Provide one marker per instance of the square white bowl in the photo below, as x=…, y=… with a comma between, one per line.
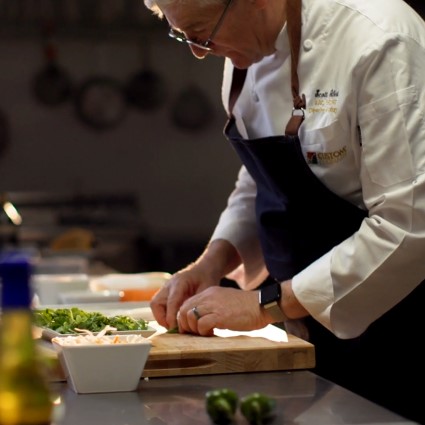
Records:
x=49, y=287
x=104, y=368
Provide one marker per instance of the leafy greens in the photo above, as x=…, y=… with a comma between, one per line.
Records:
x=65, y=320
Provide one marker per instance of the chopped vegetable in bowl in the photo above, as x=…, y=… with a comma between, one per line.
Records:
x=65, y=320
x=86, y=337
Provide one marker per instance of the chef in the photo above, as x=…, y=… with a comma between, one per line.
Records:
x=325, y=229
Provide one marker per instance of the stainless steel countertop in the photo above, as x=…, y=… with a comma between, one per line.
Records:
x=302, y=398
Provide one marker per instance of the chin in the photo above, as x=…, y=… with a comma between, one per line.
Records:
x=241, y=63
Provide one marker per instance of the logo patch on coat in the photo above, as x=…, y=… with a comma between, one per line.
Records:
x=326, y=158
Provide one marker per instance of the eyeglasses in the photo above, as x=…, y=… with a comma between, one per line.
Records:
x=179, y=36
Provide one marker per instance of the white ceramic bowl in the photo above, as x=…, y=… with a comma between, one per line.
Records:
x=49, y=287
x=85, y=297
x=104, y=368
x=134, y=286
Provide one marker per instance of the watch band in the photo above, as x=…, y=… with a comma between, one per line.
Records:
x=275, y=311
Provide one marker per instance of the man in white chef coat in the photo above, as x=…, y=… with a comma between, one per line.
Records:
x=325, y=229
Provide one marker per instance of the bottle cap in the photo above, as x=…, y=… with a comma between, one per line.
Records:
x=15, y=280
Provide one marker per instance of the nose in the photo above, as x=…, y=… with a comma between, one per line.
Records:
x=198, y=53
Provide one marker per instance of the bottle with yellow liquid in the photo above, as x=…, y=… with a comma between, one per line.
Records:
x=24, y=394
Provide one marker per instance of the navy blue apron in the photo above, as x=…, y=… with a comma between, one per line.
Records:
x=299, y=219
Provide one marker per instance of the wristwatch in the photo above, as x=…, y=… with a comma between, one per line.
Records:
x=269, y=297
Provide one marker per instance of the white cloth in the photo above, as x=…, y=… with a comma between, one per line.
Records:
x=270, y=332
x=362, y=71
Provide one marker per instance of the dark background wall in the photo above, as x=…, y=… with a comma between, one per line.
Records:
x=179, y=176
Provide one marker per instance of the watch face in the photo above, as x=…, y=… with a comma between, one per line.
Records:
x=270, y=293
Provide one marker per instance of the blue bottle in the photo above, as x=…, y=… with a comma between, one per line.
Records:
x=25, y=398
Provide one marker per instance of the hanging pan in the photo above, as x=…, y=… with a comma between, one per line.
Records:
x=51, y=85
x=100, y=102
x=192, y=109
x=145, y=88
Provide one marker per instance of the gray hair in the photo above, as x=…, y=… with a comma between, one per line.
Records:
x=155, y=5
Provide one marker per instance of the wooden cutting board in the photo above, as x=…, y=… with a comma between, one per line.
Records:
x=178, y=355
x=175, y=354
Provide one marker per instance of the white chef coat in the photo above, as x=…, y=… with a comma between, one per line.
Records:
x=361, y=69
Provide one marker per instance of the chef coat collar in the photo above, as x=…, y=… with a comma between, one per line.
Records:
x=282, y=42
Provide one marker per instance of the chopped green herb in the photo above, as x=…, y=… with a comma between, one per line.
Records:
x=65, y=320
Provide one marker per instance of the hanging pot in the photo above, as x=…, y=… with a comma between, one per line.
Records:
x=192, y=109
x=51, y=85
x=100, y=102
x=145, y=89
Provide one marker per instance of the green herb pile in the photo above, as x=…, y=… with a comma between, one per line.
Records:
x=65, y=320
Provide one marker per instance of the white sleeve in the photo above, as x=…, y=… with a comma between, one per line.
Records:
x=369, y=273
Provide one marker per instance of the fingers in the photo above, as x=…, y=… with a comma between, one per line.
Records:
x=178, y=296
x=187, y=320
x=172, y=311
x=224, y=308
x=196, y=313
x=166, y=303
x=158, y=306
x=196, y=319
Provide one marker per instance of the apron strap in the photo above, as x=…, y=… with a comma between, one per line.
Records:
x=293, y=10
x=294, y=35
x=238, y=81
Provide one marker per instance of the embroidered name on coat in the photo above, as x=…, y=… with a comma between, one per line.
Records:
x=324, y=101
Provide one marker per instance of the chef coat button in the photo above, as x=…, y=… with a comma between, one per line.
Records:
x=255, y=96
x=308, y=45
